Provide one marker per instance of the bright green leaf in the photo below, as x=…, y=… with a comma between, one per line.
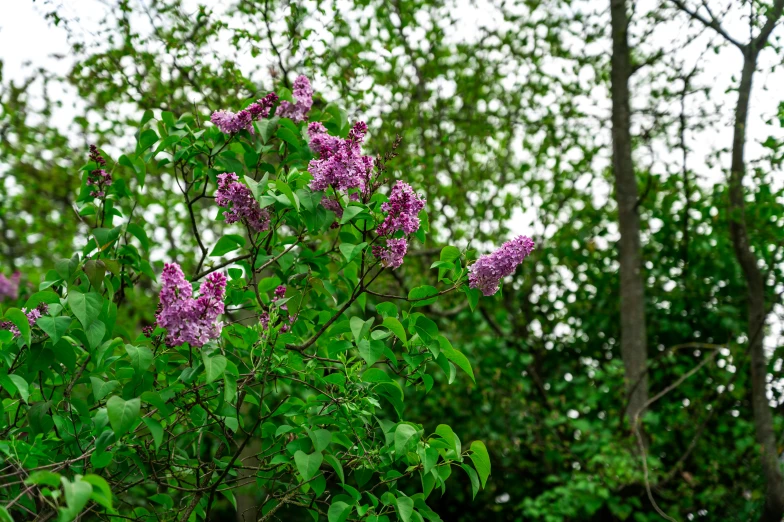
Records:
x=123, y=415
x=481, y=460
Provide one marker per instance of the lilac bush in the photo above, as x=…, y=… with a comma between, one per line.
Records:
x=289, y=342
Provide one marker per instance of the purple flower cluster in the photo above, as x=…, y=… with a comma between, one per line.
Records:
x=231, y=123
x=98, y=178
x=189, y=320
x=11, y=327
x=244, y=206
x=32, y=316
x=280, y=293
x=36, y=313
x=264, y=318
x=402, y=211
x=303, y=96
x=487, y=272
x=334, y=205
x=391, y=256
x=9, y=286
x=341, y=164
x=321, y=142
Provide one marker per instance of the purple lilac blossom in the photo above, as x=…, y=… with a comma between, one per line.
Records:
x=321, y=142
x=244, y=206
x=487, y=272
x=230, y=123
x=9, y=286
x=341, y=164
x=391, y=256
x=32, y=316
x=188, y=320
x=98, y=178
x=11, y=327
x=280, y=293
x=36, y=313
x=333, y=205
x=303, y=96
x=402, y=211
x=264, y=320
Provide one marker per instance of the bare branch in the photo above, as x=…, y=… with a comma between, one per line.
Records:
x=710, y=22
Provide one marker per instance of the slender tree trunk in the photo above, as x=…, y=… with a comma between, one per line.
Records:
x=755, y=287
x=634, y=350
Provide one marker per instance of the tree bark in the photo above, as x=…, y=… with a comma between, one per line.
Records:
x=755, y=287
x=634, y=349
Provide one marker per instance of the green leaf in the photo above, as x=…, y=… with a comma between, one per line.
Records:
x=257, y=187
x=403, y=435
x=350, y=213
x=338, y=512
x=446, y=433
x=156, y=430
x=102, y=493
x=167, y=118
x=288, y=136
x=95, y=333
x=267, y=127
x=426, y=328
x=21, y=386
x=268, y=284
x=321, y=439
x=481, y=460
x=473, y=295
x=141, y=357
x=214, y=367
x=46, y=296
x=421, y=296
x=396, y=328
x=456, y=357
x=226, y=244
x=285, y=189
x=5, y=516
x=19, y=319
x=308, y=464
x=229, y=388
x=147, y=139
x=123, y=415
x=473, y=477
x=147, y=116
x=95, y=270
x=44, y=478
x=449, y=253
x=139, y=233
x=54, y=327
x=360, y=327
x=102, y=389
x=86, y=307
x=350, y=251
x=336, y=465
x=371, y=351
x=77, y=495
x=405, y=508
x=429, y=458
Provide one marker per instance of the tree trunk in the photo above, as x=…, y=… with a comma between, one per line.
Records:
x=755, y=287
x=634, y=350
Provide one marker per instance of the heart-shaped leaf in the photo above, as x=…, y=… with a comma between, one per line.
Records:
x=308, y=464
x=123, y=415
